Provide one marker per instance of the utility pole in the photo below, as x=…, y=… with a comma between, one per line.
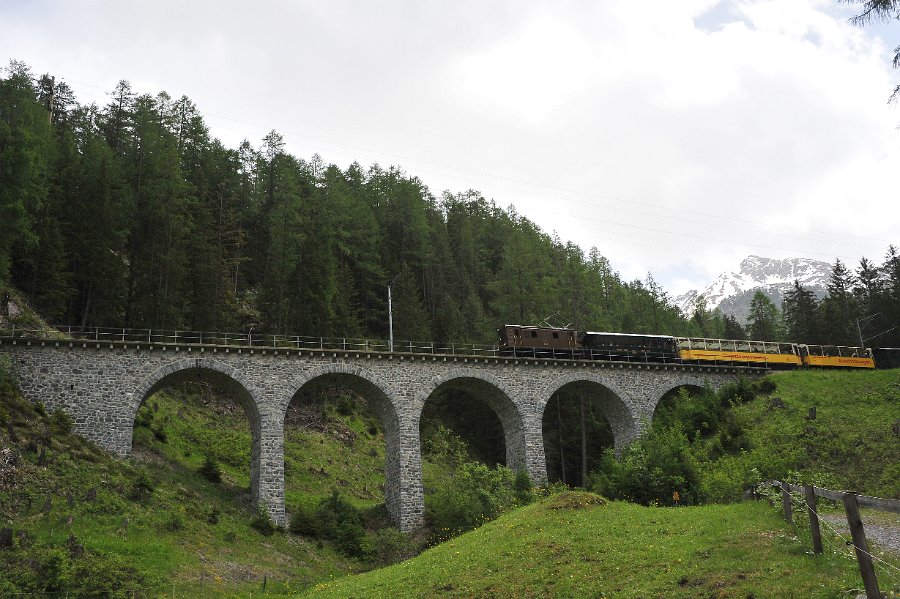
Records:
x=859, y=323
x=391, y=316
x=390, y=322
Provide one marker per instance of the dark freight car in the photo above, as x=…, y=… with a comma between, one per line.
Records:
x=618, y=346
x=887, y=357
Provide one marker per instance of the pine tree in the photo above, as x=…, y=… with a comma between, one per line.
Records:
x=837, y=313
x=763, y=319
x=25, y=145
x=733, y=329
x=799, y=308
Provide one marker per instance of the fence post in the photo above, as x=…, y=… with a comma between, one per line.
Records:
x=866, y=569
x=786, y=502
x=814, y=530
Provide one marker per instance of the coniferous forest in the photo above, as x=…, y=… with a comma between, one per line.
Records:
x=132, y=215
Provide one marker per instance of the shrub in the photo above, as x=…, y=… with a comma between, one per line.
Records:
x=340, y=521
x=444, y=446
x=742, y=391
x=55, y=571
x=765, y=387
x=651, y=470
x=263, y=523
x=40, y=409
x=61, y=422
x=175, y=521
x=210, y=470
x=523, y=488
x=728, y=478
x=144, y=417
x=391, y=546
x=304, y=522
x=213, y=515
x=473, y=496
x=141, y=489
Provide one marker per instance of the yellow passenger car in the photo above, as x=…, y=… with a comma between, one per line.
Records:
x=757, y=353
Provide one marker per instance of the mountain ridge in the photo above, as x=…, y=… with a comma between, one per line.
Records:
x=731, y=292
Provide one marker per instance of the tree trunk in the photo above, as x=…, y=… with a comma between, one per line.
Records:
x=562, y=453
x=583, y=445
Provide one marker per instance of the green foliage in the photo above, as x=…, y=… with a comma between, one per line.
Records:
x=764, y=320
x=57, y=570
x=210, y=469
x=262, y=523
x=651, y=470
x=523, y=488
x=339, y=521
x=303, y=521
x=473, y=496
x=142, y=488
x=132, y=215
x=61, y=422
x=391, y=546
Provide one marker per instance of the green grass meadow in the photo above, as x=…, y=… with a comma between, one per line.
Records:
x=578, y=545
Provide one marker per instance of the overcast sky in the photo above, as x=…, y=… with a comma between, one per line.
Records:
x=675, y=136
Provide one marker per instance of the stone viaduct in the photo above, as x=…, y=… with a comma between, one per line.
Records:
x=101, y=384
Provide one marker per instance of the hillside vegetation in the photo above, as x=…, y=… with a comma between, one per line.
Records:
x=85, y=523
x=578, y=545
x=853, y=442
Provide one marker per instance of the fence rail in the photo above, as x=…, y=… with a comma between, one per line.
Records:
x=252, y=339
x=851, y=502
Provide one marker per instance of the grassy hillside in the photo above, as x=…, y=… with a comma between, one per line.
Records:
x=84, y=522
x=853, y=442
x=577, y=545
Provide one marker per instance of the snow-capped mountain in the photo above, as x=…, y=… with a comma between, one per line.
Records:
x=731, y=292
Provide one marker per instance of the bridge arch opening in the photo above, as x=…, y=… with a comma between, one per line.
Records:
x=342, y=433
x=581, y=420
x=477, y=411
x=701, y=413
x=199, y=413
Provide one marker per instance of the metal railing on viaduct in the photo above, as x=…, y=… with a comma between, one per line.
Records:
x=101, y=376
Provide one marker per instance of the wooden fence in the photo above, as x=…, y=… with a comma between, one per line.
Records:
x=852, y=502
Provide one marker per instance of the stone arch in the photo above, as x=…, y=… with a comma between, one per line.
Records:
x=499, y=398
x=337, y=368
x=264, y=486
x=374, y=389
x=623, y=416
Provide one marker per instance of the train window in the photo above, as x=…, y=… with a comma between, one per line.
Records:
x=534, y=333
x=556, y=335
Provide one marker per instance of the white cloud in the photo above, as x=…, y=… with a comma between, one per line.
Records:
x=677, y=137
